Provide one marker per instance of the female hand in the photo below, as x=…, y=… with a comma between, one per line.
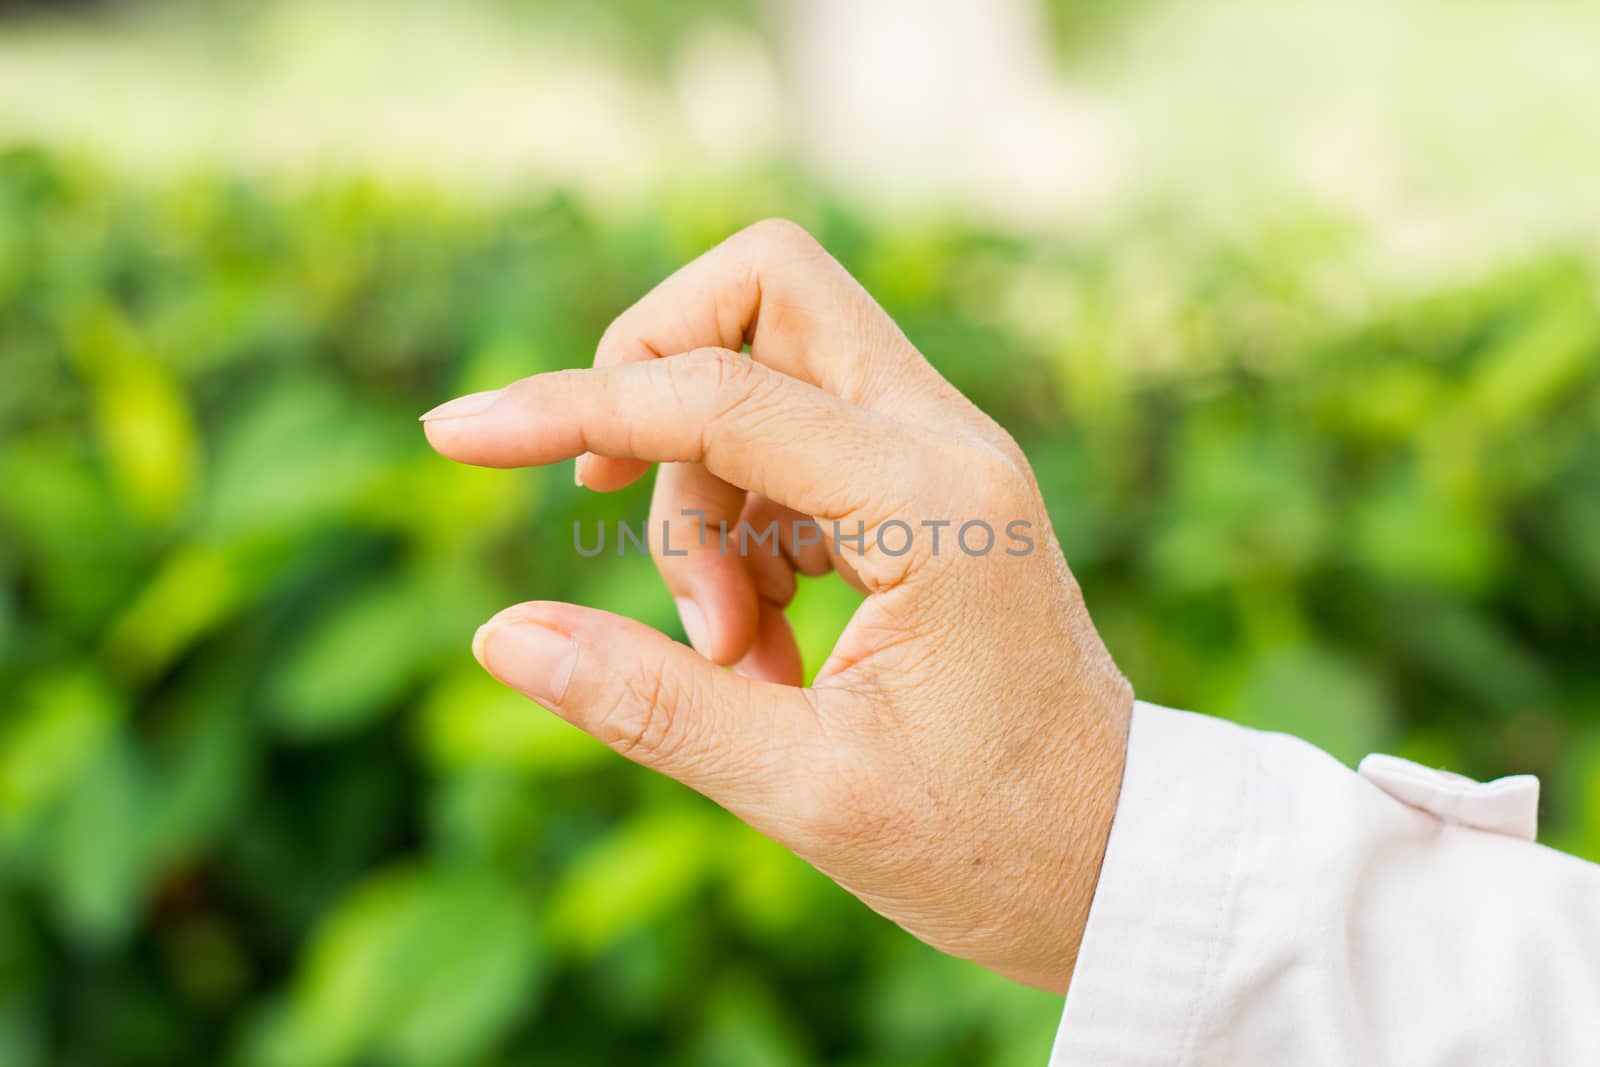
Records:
x=956, y=762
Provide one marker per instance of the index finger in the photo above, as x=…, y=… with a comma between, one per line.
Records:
x=773, y=287
x=752, y=427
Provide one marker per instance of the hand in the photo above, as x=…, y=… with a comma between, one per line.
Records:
x=956, y=762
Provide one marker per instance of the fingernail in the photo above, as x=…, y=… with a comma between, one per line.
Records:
x=577, y=472
x=471, y=404
x=694, y=625
x=527, y=656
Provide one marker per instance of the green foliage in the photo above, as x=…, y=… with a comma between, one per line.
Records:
x=258, y=806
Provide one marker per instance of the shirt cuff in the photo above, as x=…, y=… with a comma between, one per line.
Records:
x=1165, y=899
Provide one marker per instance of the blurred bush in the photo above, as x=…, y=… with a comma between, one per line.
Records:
x=258, y=805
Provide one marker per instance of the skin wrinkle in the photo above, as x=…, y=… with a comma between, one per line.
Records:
x=957, y=761
x=639, y=717
x=747, y=335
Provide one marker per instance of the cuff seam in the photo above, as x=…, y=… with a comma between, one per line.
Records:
x=1244, y=797
x=1157, y=946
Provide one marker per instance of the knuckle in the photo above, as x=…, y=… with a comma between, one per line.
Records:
x=730, y=382
x=999, y=480
x=719, y=371
x=780, y=235
x=714, y=388
x=525, y=390
x=733, y=372
x=641, y=721
x=1007, y=446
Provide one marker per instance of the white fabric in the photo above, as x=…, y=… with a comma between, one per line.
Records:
x=1262, y=904
x=1503, y=806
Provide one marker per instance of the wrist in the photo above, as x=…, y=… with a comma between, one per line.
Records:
x=1067, y=832
x=1106, y=745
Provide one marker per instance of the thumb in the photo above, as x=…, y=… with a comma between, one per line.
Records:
x=740, y=741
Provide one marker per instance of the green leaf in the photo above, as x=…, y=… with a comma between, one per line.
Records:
x=1319, y=696
x=1408, y=533
x=147, y=434
x=296, y=456
x=99, y=849
x=358, y=660
x=470, y=721
x=1537, y=364
x=192, y=591
x=746, y=1028
x=48, y=744
x=201, y=783
x=421, y=967
x=629, y=878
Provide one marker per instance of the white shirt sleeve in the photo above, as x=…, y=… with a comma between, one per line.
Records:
x=1260, y=903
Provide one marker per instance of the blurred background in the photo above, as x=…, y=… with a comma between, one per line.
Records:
x=1292, y=305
